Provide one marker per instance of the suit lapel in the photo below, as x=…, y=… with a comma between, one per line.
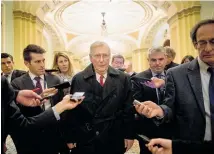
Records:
x=48, y=80
x=13, y=76
x=28, y=83
x=195, y=83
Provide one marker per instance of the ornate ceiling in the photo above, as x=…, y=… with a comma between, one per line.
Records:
x=77, y=24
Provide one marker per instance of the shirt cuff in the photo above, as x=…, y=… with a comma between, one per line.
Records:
x=56, y=114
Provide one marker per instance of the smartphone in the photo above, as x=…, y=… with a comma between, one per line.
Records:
x=77, y=96
x=62, y=85
x=136, y=102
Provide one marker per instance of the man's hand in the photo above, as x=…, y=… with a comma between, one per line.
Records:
x=155, y=83
x=149, y=109
x=49, y=92
x=128, y=144
x=28, y=98
x=166, y=146
x=67, y=104
x=71, y=145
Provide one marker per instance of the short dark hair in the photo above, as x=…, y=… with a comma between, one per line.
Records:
x=118, y=56
x=187, y=57
x=6, y=55
x=197, y=26
x=32, y=48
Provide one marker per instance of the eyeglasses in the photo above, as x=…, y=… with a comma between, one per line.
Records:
x=98, y=56
x=203, y=43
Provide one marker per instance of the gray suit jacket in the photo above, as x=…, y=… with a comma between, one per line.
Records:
x=184, y=104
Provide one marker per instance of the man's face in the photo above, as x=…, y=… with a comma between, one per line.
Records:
x=100, y=58
x=37, y=64
x=157, y=62
x=206, y=50
x=7, y=65
x=117, y=63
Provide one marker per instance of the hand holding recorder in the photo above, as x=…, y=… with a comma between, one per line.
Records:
x=148, y=109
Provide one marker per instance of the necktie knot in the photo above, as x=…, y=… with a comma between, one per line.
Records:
x=160, y=76
x=37, y=78
x=6, y=75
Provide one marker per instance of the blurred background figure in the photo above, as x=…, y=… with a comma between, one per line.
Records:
x=170, y=54
x=7, y=65
x=118, y=62
x=128, y=68
x=63, y=63
x=187, y=59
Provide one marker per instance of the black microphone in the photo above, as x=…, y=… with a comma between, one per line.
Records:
x=51, y=70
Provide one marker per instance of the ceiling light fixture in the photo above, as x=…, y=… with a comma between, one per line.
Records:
x=103, y=26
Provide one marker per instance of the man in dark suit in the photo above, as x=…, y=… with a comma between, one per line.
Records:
x=7, y=67
x=189, y=96
x=103, y=124
x=170, y=53
x=46, y=140
x=141, y=92
x=14, y=121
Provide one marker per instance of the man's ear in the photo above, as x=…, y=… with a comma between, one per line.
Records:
x=27, y=63
x=195, y=45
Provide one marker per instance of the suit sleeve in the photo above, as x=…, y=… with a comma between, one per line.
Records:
x=67, y=120
x=17, y=120
x=13, y=120
x=169, y=101
x=190, y=147
x=137, y=90
x=128, y=112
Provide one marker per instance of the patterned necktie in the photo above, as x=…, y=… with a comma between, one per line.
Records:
x=211, y=96
x=162, y=89
x=101, y=80
x=38, y=85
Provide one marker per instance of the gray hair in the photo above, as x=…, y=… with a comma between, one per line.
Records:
x=156, y=50
x=97, y=44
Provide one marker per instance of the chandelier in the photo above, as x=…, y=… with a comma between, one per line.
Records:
x=103, y=26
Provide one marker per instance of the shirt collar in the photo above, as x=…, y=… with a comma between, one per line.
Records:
x=98, y=75
x=203, y=66
x=10, y=74
x=155, y=74
x=32, y=76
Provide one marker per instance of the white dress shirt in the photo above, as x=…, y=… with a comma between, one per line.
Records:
x=104, y=77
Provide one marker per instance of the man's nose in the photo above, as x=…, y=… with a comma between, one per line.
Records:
x=209, y=47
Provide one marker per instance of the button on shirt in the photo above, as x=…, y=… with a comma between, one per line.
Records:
x=205, y=78
x=44, y=86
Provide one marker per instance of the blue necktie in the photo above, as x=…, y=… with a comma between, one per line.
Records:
x=211, y=95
